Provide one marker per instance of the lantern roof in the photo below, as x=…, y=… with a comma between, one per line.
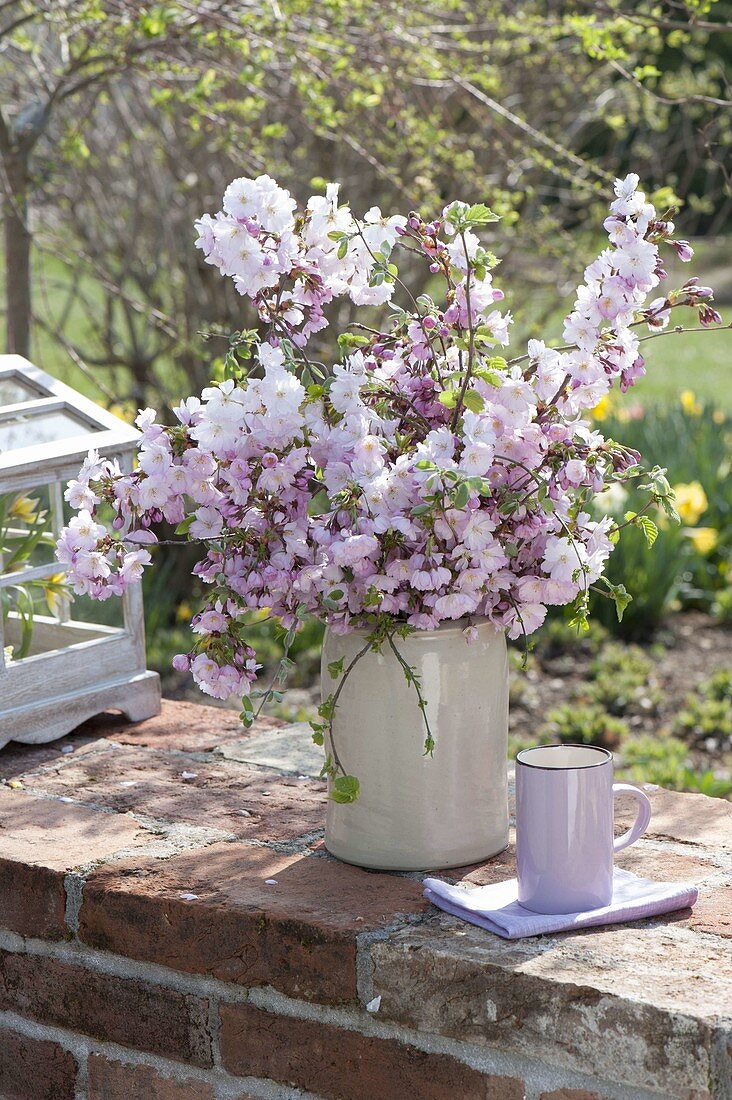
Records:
x=48, y=426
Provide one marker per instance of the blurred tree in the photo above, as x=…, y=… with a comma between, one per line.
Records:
x=57, y=56
x=138, y=116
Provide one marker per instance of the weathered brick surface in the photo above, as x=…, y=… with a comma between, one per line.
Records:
x=345, y=1065
x=189, y=727
x=645, y=1007
x=131, y=1013
x=48, y=833
x=16, y=759
x=298, y=935
x=112, y=1080
x=32, y=899
x=35, y=1069
x=713, y=912
x=40, y=840
x=245, y=801
x=570, y=1094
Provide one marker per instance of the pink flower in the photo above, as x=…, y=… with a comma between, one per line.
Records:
x=388, y=485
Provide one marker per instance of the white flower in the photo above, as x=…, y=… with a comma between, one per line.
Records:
x=207, y=524
x=564, y=558
x=84, y=532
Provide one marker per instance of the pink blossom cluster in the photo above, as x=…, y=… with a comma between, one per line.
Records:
x=424, y=477
x=293, y=267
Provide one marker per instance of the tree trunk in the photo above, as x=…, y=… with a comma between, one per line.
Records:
x=17, y=253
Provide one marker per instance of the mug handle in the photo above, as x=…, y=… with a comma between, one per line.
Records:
x=639, y=826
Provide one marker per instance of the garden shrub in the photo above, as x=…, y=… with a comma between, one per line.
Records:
x=690, y=564
x=584, y=724
x=707, y=714
x=722, y=606
x=556, y=638
x=665, y=761
x=620, y=680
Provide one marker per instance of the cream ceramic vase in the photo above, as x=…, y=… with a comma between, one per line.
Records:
x=417, y=812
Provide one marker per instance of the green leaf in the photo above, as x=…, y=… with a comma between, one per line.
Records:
x=461, y=496
x=448, y=398
x=319, y=504
x=621, y=597
x=344, y=789
x=491, y=377
x=246, y=716
x=581, y=607
x=479, y=214
x=473, y=401
x=335, y=668
x=649, y=529
x=184, y=525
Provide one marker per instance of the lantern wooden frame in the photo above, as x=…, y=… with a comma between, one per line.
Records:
x=75, y=669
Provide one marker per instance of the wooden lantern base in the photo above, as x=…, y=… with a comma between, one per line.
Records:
x=136, y=696
x=74, y=671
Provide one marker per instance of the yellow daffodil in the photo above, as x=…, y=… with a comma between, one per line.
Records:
x=689, y=403
x=704, y=538
x=124, y=411
x=24, y=509
x=691, y=501
x=54, y=590
x=602, y=409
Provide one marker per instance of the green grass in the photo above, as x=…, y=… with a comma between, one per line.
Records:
x=697, y=361
x=51, y=288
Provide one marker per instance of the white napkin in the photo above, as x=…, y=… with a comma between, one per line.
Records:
x=496, y=907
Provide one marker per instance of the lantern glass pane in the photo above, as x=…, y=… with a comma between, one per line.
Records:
x=27, y=539
x=14, y=390
x=27, y=430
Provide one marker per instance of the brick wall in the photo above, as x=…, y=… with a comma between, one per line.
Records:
x=171, y=927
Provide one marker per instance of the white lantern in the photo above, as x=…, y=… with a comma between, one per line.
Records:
x=58, y=666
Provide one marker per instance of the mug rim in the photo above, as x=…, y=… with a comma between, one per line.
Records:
x=570, y=767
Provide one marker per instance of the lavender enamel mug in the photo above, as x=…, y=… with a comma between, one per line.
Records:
x=564, y=827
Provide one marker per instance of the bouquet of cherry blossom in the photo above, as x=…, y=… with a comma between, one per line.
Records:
x=421, y=475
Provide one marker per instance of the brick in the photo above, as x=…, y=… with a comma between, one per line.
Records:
x=60, y=835
x=643, y=1005
x=188, y=727
x=298, y=935
x=35, y=1069
x=570, y=1094
x=32, y=900
x=17, y=759
x=245, y=801
x=713, y=912
x=112, y=1080
x=125, y=1011
x=345, y=1065
x=40, y=840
